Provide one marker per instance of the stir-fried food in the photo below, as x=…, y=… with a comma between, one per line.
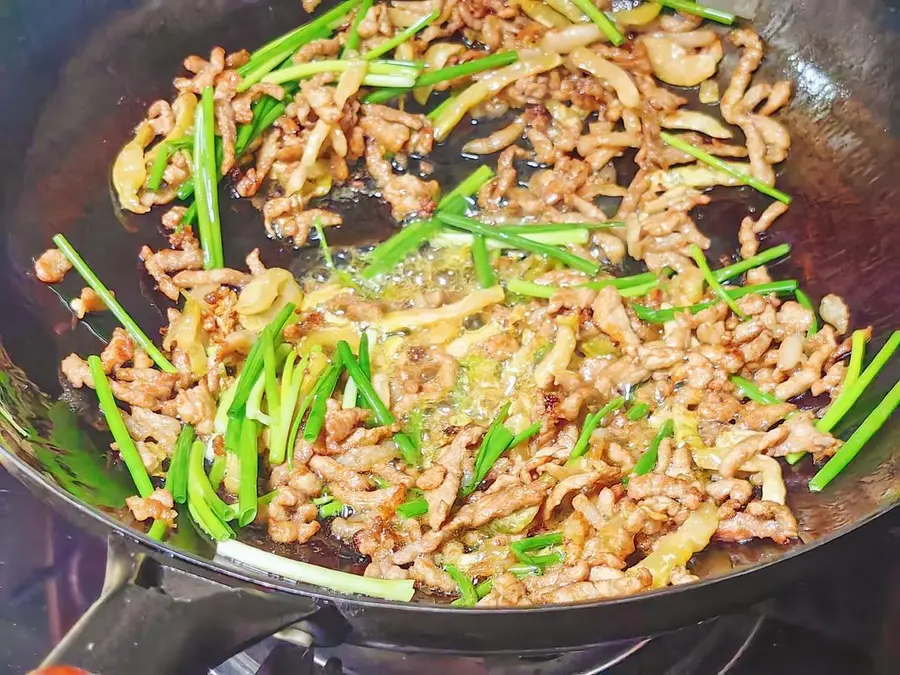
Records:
x=485, y=406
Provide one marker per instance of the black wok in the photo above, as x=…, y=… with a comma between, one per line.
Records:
x=76, y=77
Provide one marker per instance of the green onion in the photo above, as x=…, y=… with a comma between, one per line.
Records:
x=342, y=582
x=324, y=377
x=316, y=419
x=268, y=497
x=365, y=364
x=353, y=38
x=163, y=151
x=482, y=261
x=697, y=9
x=524, y=435
x=440, y=108
x=530, y=289
x=401, y=37
x=857, y=353
x=255, y=361
x=663, y=315
x=248, y=457
x=562, y=255
x=112, y=304
x=720, y=165
x=591, y=422
x=637, y=412
x=621, y=282
x=521, y=547
x=280, y=49
x=210, y=512
x=206, y=172
x=716, y=287
x=177, y=475
x=433, y=77
x=217, y=471
x=601, y=20
x=850, y=395
x=379, y=73
x=487, y=452
x=468, y=186
x=770, y=254
x=647, y=461
x=383, y=415
x=639, y=290
x=127, y=449
x=748, y=389
x=331, y=509
x=558, y=238
x=483, y=588
x=413, y=508
x=468, y=597
x=859, y=438
x=804, y=301
x=389, y=253
x=291, y=383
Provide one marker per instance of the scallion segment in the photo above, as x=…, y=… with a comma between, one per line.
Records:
x=601, y=20
x=316, y=419
x=209, y=512
x=695, y=8
x=206, y=181
x=353, y=38
x=390, y=253
x=663, y=315
x=725, y=273
x=530, y=289
x=248, y=458
x=127, y=449
x=468, y=597
x=562, y=255
x=723, y=166
x=748, y=389
x=637, y=412
x=112, y=304
x=493, y=444
x=523, y=547
x=711, y=280
x=378, y=74
x=413, y=508
x=342, y=582
x=854, y=444
x=850, y=395
x=163, y=152
x=177, y=475
x=291, y=382
x=804, y=301
x=525, y=434
x=331, y=509
x=591, y=422
x=270, y=55
x=647, y=461
x=383, y=415
x=482, y=261
x=401, y=37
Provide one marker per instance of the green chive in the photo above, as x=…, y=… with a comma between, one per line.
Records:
x=482, y=261
x=401, y=37
x=383, y=415
x=637, y=412
x=591, y=422
x=203, y=504
x=206, y=181
x=524, y=435
x=521, y=547
x=112, y=304
x=716, y=287
x=413, y=508
x=562, y=255
x=804, y=301
x=127, y=449
x=163, y=152
x=663, y=315
x=353, y=37
x=770, y=254
x=748, y=389
x=248, y=457
x=601, y=20
x=468, y=597
x=530, y=289
x=177, y=476
x=718, y=164
x=316, y=419
x=695, y=8
x=854, y=444
x=647, y=461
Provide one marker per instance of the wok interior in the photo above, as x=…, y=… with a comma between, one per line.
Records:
x=841, y=173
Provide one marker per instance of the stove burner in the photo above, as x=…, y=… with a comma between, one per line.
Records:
x=711, y=647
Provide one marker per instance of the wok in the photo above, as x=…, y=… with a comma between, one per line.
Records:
x=77, y=76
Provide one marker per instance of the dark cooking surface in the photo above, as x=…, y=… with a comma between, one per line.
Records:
x=842, y=622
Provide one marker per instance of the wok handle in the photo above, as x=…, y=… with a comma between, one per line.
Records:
x=152, y=620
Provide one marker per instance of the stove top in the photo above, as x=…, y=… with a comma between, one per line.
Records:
x=844, y=621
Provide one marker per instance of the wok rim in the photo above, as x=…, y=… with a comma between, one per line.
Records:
x=31, y=477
